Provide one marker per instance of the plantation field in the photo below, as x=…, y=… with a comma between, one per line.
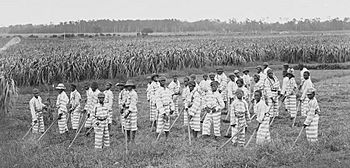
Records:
x=332, y=151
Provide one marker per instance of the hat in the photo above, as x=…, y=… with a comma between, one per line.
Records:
x=129, y=83
x=148, y=77
x=245, y=70
x=175, y=76
x=258, y=67
x=162, y=78
x=191, y=83
x=239, y=91
x=269, y=70
x=236, y=71
x=35, y=90
x=101, y=95
x=193, y=76
x=266, y=64
x=290, y=71
x=240, y=79
x=310, y=90
x=220, y=69
x=214, y=83
x=73, y=85
x=205, y=75
x=109, y=83
x=285, y=64
x=60, y=87
x=211, y=74
x=231, y=74
x=120, y=84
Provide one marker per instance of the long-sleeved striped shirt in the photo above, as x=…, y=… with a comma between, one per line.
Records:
x=153, y=89
x=246, y=80
x=193, y=102
x=290, y=87
x=62, y=101
x=131, y=100
x=36, y=106
x=204, y=85
x=214, y=100
x=88, y=104
x=75, y=98
x=274, y=83
x=164, y=101
x=222, y=79
x=148, y=91
x=306, y=85
x=231, y=89
x=261, y=109
x=122, y=97
x=185, y=93
x=94, y=97
x=239, y=109
x=285, y=81
x=311, y=111
x=108, y=98
x=174, y=87
x=264, y=87
x=100, y=113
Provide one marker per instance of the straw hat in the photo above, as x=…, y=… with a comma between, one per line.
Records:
x=266, y=64
x=231, y=74
x=162, y=78
x=129, y=83
x=60, y=87
x=245, y=70
x=35, y=90
x=220, y=70
x=290, y=71
x=310, y=90
x=100, y=95
x=236, y=71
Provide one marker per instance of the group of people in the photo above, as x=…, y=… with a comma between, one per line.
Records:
x=241, y=98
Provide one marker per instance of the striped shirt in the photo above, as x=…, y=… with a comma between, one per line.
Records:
x=164, y=101
x=311, y=111
x=214, y=100
x=88, y=104
x=204, y=85
x=62, y=101
x=36, y=106
x=306, y=85
x=222, y=79
x=131, y=100
x=100, y=112
x=274, y=83
x=174, y=87
x=153, y=89
x=261, y=109
x=290, y=87
x=75, y=98
x=231, y=89
x=193, y=102
x=239, y=109
x=108, y=98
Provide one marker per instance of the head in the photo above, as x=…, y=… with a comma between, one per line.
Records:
x=205, y=76
x=240, y=82
x=256, y=78
x=73, y=87
x=257, y=95
x=60, y=88
x=214, y=86
x=270, y=73
x=120, y=86
x=239, y=94
x=301, y=66
x=186, y=80
x=175, y=78
x=236, y=72
x=285, y=66
x=232, y=77
x=101, y=98
x=311, y=93
x=212, y=76
x=191, y=85
x=258, y=69
x=36, y=93
x=108, y=85
x=219, y=71
x=155, y=77
x=306, y=75
x=265, y=65
x=94, y=86
x=290, y=73
x=193, y=77
x=246, y=72
x=60, y=91
x=86, y=86
x=162, y=81
x=129, y=85
x=149, y=79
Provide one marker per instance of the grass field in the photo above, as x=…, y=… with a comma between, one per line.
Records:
x=332, y=151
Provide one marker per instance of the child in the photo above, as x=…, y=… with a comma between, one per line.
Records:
x=61, y=106
x=36, y=109
x=274, y=84
x=174, y=86
x=290, y=94
x=307, y=84
x=100, y=120
x=131, y=111
x=239, y=117
x=263, y=117
x=192, y=106
x=240, y=85
x=311, y=121
x=74, y=102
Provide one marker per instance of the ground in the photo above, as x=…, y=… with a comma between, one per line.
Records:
x=332, y=151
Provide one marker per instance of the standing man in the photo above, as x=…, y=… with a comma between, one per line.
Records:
x=36, y=109
x=185, y=93
x=130, y=110
x=165, y=107
x=100, y=120
x=266, y=67
x=192, y=107
x=174, y=86
x=260, y=72
x=204, y=85
x=272, y=80
x=94, y=101
x=307, y=84
x=121, y=100
x=222, y=88
x=109, y=102
x=246, y=78
x=61, y=106
x=231, y=88
x=290, y=94
x=285, y=69
x=74, y=102
x=302, y=69
x=263, y=117
x=311, y=121
x=152, y=95
x=236, y=72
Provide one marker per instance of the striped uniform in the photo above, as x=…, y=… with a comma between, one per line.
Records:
x=185, y=93
x=302, y=74
x=175, y=88
x=275, y=87
x=74, y=100
x=266, y=91
x=36, y=108
x=291, y=99
x=109, y=102
x=304, y=99
x=93, y=102
x=262, y=76
x=231, y=89
x=204, y=87
x=239, y=116
x=312, y=120
x=245, y=92
x=152, y=95
x=246, y=80
x=263, y=117
x=193, y=102
x=131, y=102
x=88, y=107
x=61, y=105
x=213, y=100
x=100, y=119
x=122, y=97
x=164, y=104
x=222, y=79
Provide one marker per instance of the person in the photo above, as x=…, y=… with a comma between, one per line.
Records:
x=311, y=121
x=213, y=105
x=260, y=72
x=74, y=102
x=94, y=101
x=192, y=107
x=152, y=92
x=165, y=107
x=302, y=69
x=130, y=110
x=236, y=72
x=240, y=85
x=109, y=97
x=290, y=94
x=239, y=117
x=36, y=109
x=304, y=99
x=61, y=106
x=100, y=121
x=149, y=81
x=272, y=80
x=204, y=85
x=88, y=106
x=264, y=87
x=174, y=86
x=266, y=67
x=246, y=78
x=222, y=88
x=231, y=88
x=263, y=118
x=184, y=94
x=121, y=100
x=285, y=69
x=193, y=78
x=212, y=77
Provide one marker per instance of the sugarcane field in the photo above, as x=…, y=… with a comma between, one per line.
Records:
x=174, y=84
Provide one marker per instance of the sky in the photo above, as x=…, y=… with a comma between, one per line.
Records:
x=55, y=11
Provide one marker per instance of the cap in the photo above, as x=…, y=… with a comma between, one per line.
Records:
x=192, y=83
x=129, y=83
x=239, y=91
x=231, y=74
x=101, y=95
x=310, y=90
x=60, y=87
x=220, y=69
x=266, y=64
x=214, y=83
x=236, y=71
x=35, y=90
x=245, y=70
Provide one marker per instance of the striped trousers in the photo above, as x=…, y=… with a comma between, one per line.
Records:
x=62, y=123
x=263, y=133
x=153, y=111
x=110, y=115
x=304, y=107
x=185, y=118
x=88, y=122
x=131, y=122
x=312, y=129
x=275, y=106
x=195, y=122
x=102, y=135
x=240, y=138
x=162, y=125
x=208, y=120
x=291, y=105
x=75, y=118
x=176, y=102
x=39, y=126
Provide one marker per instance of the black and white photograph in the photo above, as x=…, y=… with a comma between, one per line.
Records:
x=174, y=83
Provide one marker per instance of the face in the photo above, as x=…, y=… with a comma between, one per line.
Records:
x=162, y=83
x=219, y=72
x=86, y=87
x=59, y=91
x=212, y=77
x=306, y=75
x=239, y=95
x=185, y=81
x=36, y=95
x=94, y=88
x=214, y=88
x=108, y=86
x=191, y=87
x=205, y=77
x=73, y=88
x=232, y=78
x=311, y=96
x=257, y=96
x=258, y=70
x=120, y=88
x=265, y=66
x=101, y=100
x=245, y=72
x=239, y=83
x=175, y=79
x=256, y=79
x=129, y=88
x=270, y=74
x=237, y=74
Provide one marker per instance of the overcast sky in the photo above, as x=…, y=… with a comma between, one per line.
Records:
x=55, y=11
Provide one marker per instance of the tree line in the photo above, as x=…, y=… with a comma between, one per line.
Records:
x=175, y=25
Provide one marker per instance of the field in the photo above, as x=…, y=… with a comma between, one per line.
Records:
x=332, y=151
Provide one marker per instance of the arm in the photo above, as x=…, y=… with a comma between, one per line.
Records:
x=233, y=118
x=221, y=103
x=247, y=114
x=310, y=113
